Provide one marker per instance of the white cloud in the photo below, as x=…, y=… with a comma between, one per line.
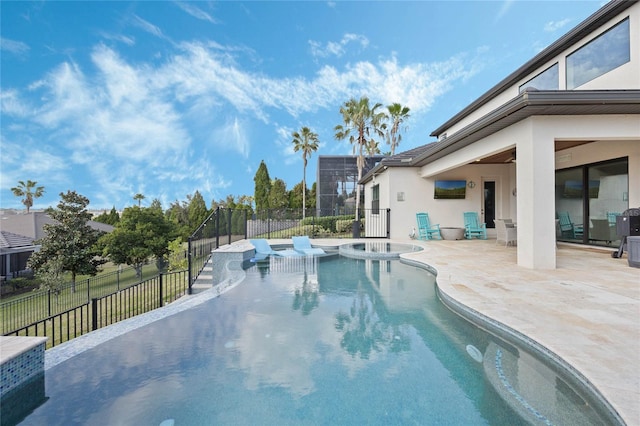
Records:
x=146, y=26
x=337, y=48
x=553, y=26
x=506, y=5
x=12, y=104
x=232, y=135
x=16, y=47
x=129, y=41
x=196, y=12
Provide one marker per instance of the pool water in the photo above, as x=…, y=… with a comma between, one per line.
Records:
x=311, y=341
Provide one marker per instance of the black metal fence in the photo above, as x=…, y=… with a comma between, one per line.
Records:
x=108, y=309
x=39, y=304
x=120, y=294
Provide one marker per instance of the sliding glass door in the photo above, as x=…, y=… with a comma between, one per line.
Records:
x=588, y=199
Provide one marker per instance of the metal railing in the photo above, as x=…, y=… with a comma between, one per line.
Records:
x=48, y=310
x=108, y=309
x=39, y=304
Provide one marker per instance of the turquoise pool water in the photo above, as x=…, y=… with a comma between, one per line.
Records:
x=312, y=341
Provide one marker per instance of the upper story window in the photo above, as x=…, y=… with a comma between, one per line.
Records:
x=599, y=56
x=546, y=80
x=375, y=199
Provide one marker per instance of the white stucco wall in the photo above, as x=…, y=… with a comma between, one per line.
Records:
x=627, y=76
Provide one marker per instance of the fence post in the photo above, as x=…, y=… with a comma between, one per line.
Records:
x=217, y=227
x=88, y=291
x=245, y=224
x=161, y=295
x=49, y=301
x=94, y=314
x=229, y=230
x=388, y=223
x=268, y=223
x=189, y=265
x=118, y=278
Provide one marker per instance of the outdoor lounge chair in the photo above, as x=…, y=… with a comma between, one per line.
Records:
x=505, y=231
x=263, y=250
x=426, y=231
x=568, y=228
x=303, y=245
x=473, y=227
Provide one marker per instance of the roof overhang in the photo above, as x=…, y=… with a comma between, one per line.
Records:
x=592, y=23
x=532, y=103
x=527, y=104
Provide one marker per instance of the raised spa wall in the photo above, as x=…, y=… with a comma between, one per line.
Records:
x=22, y=376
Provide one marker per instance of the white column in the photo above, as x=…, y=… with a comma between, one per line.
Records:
x=535, y=177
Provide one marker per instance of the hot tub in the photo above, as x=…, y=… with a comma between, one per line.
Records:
x=377, y=250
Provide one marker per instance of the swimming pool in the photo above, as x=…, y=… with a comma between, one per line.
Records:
x=306, y=340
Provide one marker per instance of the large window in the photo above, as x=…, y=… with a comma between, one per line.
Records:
x=599, y=56
x=375, y=199
x=546, y=80
x=588, y=199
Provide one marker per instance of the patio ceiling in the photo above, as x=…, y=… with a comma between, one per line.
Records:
x=510, y=155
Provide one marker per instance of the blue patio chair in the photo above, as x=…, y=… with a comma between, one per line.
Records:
x=263, y=250
x=426, y=231
x=303, y=245
x=473, y=227
x=612, y=218
x=568, y=228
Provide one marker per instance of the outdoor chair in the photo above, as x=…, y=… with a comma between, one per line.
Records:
x=473, y=227
x=568, y=228
x=426, y=231
x=303, y=245
x=505, y=231
x=263, y=250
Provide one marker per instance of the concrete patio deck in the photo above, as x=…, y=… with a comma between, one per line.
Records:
x=587, y=311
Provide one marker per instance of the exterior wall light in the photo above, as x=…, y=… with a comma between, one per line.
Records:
x=471, y=184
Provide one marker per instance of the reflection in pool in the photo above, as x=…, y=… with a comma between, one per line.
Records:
x=312, y=341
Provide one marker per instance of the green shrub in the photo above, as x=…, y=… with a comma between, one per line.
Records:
x=343, y=225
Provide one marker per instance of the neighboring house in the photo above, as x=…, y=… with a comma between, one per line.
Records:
x=559, y=135
x=21, y=230
x=15, y=250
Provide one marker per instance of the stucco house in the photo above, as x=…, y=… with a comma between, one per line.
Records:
x=20, y=233
x=558, y=136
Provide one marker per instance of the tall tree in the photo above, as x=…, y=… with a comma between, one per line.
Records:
x=278, y=196
x=362, y=124
x=307, y=142
x=29, y=191
x=197, y=210
x=70, y=243
x=139, y=197
x=397, y=114
x=142, y=233
x=262, y=187
x=110, y=218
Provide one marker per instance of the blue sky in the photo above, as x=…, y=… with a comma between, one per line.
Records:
x=165, y=98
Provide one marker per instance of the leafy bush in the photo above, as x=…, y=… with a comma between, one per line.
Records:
x=343, y=225
x=327, y=222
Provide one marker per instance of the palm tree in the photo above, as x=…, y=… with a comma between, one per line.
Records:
x=25, y=190
x=139, y=197
x=361, y=124
x=397, y=114
x=307, y=142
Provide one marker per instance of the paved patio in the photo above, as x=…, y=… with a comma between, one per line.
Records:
x=587, y=310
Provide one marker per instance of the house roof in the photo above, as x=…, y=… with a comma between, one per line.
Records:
x=11, y=240
x=32, y=224
x=527, y=104
x=592, y=23
x=530, y=103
